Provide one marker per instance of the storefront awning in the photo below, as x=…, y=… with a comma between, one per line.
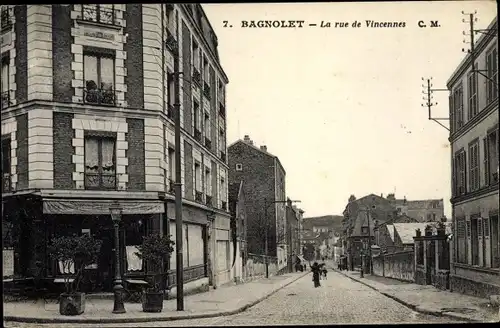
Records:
x=99, y=207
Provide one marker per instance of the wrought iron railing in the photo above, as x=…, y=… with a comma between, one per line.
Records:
x=99, y=14
x=196, y=76
x=224, y=206
x=101, y=181
x=99, y=96
x=5, y=101
x=6, y=182
x=222, y=110
x=206, y=90
x=208, y=200
x=208, y=143
x=197, y=134
x=171, y=42
x=6, y=18
x=223, y=156
x=198, y=196
x=171, y=186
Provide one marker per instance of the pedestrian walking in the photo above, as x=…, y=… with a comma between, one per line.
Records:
x=324, y=271
x=316, y=271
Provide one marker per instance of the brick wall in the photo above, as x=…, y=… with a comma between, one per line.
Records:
x=61, y=51
x=22, y=151
x=135, y=60
x=21, y=59
x=135, y=154
x=258, y=177
x=63, y=150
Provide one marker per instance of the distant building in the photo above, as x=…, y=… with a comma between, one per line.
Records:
x=384, y=233
x=429, y=210
x=475, y=149
x=322, y=230
x=294, y=218
x=264, y=180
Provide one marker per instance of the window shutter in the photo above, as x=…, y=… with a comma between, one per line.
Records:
x=467, y=223
x=486, y=162
x=451, y=109
x=486, y=227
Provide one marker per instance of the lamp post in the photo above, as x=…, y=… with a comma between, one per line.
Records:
x=116, y=216
x=266, y=245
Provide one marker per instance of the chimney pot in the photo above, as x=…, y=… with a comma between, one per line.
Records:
x=263, y=148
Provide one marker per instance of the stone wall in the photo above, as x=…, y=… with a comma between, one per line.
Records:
x=256, y=267
x=400, y=265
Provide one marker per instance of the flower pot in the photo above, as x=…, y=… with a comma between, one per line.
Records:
x=72, y=304
x=152, y=302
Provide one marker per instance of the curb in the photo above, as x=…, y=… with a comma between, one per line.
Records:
x=151, y=319
x=412, y=306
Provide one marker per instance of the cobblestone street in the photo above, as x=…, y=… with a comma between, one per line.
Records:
x=338, y=301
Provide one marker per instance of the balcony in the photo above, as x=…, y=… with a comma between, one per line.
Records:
x=208, y=143
x=100, y=181
x=171, y=42
x=170, y=111
x=196, y=76
x=198, y=196
x=208, y=200
x=223, y=156
x=99, y=14
x=5, y=101
x=6, y=182
x=222, y=110
x=206, y=90
x=6, y=15
x=224, y=206
x=197, y=134
x=105, y=97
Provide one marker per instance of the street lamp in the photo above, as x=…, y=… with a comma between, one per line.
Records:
x=266, y=206
x=116, y=216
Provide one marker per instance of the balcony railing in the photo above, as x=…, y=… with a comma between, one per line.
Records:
x=5, y=101
x=6, y=182
x=100, y=181
x=171, y=42
x=198, y=196
x=99, y=14
x=206, y=90
x=105, y=97
x=223, y=156
x=170, y=111
x=208, y=200
x=224, y=206
x=6, y=19
x=208, y=143
x=197, y=134
x=222, y=110
x=196, y=76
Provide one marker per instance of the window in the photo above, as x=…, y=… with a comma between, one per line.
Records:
x=6, y=162
x=433, y=216
x=170, y=18
x=474, y=166
x=5, y=83
x=459, y=173
x=223, y=193
x=495, y=242
x=100, y=163
x=239, y=167
x=197, y=177
x=458, y=104
x=206, y=125
x=222, y=141
x=171, y=169
x=491, y=147
x=221, y=92
x=196, y=55
x=364, y=230
x=206, y=69
x=99, y=71
x=472, y=93
x=104, y=14
x=492, y=74
x=475, y=232
x=461, y=241
x=6, y=18
x=170, y=95
x=208, y=182
x=197, y=120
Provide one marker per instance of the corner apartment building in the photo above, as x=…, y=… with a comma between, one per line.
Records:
x=263, y=179
x=474, y=158
x=87, y=108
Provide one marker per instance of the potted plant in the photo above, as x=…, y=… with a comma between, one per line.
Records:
x=79, y=251
x=155, y=249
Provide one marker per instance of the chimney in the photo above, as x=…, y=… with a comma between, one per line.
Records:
x=247, y=139
x=263, y=148
x=381, y=195
x=404, y=200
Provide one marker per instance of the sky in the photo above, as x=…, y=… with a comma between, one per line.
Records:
x=341, y=107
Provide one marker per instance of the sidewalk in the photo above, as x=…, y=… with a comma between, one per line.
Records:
x=218, y=302
x=430, y=300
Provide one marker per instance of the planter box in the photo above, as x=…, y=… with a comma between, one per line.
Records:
x=72, y=304
x=152, y=301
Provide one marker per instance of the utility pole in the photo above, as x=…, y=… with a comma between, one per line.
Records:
x=179, y=270
x=266, y=236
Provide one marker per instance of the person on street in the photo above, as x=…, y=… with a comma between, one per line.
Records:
x=315, y=268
